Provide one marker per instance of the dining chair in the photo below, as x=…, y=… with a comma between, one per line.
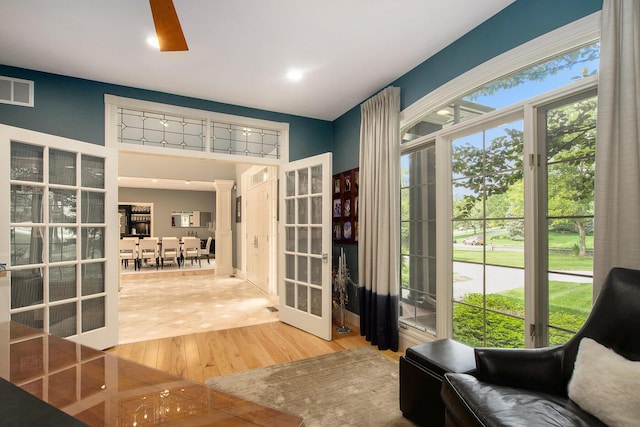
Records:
x=207, y=250
x=148, y=250
x=170, y=250
x=191, y=249
x=128, y=251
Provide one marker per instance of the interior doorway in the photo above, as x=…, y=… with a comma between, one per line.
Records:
x=260, y=228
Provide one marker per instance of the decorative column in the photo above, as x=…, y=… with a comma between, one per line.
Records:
x=224, y=235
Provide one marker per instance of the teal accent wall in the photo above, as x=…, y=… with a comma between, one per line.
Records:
x=74, y=108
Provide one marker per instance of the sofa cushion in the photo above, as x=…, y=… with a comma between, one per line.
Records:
x=473, y=402
x=605, y=384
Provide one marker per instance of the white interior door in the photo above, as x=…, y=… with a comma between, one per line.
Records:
x=60, y=199
x=258, y=216
x=305, y=239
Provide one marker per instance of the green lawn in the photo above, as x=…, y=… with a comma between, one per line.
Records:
x=516, y=259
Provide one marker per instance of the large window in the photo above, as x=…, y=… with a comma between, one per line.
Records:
x=514, y=198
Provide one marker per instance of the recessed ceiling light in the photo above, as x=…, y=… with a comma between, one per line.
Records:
x=154, y=180
x=153, y=42
x=443, y=112
x=295, y=74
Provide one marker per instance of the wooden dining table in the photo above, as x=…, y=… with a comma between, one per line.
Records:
x=46, y=377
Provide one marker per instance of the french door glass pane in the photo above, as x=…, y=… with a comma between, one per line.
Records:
x=290, y=206
x=316, y=240
x=303, y=211
x=302, y=269
x=93, y=278
x=291, y=183
x=62, y=282
x=290, y=242
x=27, y=287
x=92, y=171
x=303, y=239
x=92, y=207
x=62, y=167
x=26, y=245
x=26, y=162
x=290, y=294
x=302, y=297
x=93, y=314
x=303, y=182
x=31, y=318
x=290, y=267
x=62, y=206
x=92, y=242
x=26, y=203
x=316, y=180
x=316, y=302
x=316, y=210
x=62, y=244
x=62, y=319
x=316, y=271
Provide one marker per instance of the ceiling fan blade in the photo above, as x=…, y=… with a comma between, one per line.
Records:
x=168, y=29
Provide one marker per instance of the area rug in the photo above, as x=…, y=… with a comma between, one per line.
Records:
x=355, y=387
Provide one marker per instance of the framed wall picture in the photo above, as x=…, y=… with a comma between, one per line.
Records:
x=239, y=209
x=345, y=206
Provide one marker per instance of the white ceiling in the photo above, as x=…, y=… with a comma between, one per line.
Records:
x=240, y=50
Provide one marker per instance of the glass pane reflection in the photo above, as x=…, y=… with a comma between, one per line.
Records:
x=290, y=294
x=316, y=301
x=62, y=244
x=316, y=179
x=303, y=298
x=26, y=162
x=92, y=242
x=26, y=245
x=92, y=171
x=62, y=282
x=92, y=278
x=26, y=204
x=93, y=314
x=62, y=206
x=62, y=320
x=27, y=287
x=303, y=182
x=62, y=167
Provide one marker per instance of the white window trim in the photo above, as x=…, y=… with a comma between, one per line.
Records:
x=112, y=103
x=571, y=35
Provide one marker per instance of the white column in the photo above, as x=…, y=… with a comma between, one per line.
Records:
x=224, y=235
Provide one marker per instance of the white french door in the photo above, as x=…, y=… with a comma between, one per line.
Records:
x=304, y=274
x=57, y=233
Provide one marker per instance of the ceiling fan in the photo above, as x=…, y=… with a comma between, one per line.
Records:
x=168, y=29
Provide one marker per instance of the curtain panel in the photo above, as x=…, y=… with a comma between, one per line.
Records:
x=378, y=255
x=617, y=186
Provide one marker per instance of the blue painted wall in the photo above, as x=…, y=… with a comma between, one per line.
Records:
x=74, y=108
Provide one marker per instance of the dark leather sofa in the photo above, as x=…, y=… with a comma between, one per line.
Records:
x=528, y=387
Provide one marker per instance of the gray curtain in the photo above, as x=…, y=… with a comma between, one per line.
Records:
x=617, y=187
x=378, y=254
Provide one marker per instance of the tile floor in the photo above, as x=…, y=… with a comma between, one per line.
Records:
x=170, y=302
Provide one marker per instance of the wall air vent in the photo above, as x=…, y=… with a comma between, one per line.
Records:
x=16, y=91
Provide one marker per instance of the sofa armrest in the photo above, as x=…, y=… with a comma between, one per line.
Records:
x=532, y=369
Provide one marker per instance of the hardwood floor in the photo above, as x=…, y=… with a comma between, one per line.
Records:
x=202, y=355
